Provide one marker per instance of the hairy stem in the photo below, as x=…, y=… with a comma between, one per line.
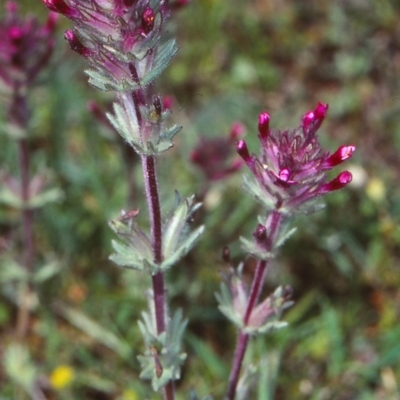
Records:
x=153, y=203
x=27, y=214
x=153, y=200
x=274, y=222
x=27, y=238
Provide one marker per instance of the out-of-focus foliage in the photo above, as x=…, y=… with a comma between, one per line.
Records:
x=236, y=59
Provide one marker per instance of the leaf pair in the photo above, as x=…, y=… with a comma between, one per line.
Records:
x=135, y=251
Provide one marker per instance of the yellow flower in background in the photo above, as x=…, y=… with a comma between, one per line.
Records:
x=61, y=376
x=130, y=394
x=376, y=189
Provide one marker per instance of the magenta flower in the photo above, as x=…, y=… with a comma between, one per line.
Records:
x=215, y=156
x=119, y=38
x=25, y=48
x=291, y=168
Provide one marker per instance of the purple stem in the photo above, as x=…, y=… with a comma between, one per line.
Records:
x=27, y=236
x=27, y=215
x=153, y=202
x=274, y=222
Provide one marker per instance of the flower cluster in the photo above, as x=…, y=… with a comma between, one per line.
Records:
x=25, y=49
x=119, y=38
x=214, y=155
x=291, y=169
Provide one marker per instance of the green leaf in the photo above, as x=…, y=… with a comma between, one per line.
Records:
x=251, y=185
x=125, y=122
x=163, y=358
x=19, y=366
x=46, y=272
x=170, y=133
x=95, y=330
x=125, y=256
x=48, y=196
x=183, y=249
x=174, y=228
x=10, y=271
x=161, y=61
x=11, y=199
x=165, y=140
x=285, y=235
x=252, y=248
x=224, y=299
x=97, y=80
x=135, y=251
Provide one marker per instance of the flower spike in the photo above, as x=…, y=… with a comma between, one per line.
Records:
x=117, y=37
x=290, y=170
x=26, y=47
x=216, y=156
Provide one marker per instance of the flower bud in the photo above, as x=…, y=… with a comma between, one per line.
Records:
x=260, y=234
x=51, y=22
x=341, y=154
x=343, y=179
x=263, y=125
x=313, y=119
x=148, y=18
x=168, y=102
x=237, y=131
x=61, y=7
x=76, y=44
x=243, y=151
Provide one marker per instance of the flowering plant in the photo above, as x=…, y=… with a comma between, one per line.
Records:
x=288, y=177
x=123, y=42
x=25, y=51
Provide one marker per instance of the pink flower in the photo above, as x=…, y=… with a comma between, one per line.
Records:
x=25, y=48
x=215, y=156
x=291, y=168
x=119, y=38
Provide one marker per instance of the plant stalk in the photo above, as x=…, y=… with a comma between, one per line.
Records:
x=27, y=238
x=274, y=223
x=153, y=200
x=153, y=203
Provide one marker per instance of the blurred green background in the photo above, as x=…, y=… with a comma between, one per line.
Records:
x=236, y=59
